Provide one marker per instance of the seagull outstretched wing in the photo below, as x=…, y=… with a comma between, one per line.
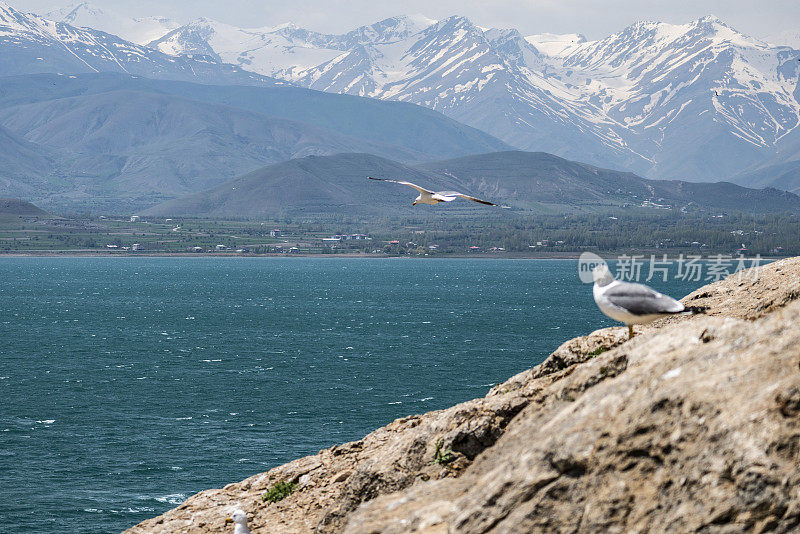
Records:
x=448, y=196
x=442, y=196
x=409, y=184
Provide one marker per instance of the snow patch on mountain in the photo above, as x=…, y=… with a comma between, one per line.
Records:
x=140, y=30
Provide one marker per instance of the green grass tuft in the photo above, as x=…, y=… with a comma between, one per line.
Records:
x=280, y=491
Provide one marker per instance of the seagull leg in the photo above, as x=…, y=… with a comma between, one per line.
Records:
x=630, y=332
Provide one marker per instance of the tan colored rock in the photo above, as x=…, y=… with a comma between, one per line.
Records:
x=692, y=425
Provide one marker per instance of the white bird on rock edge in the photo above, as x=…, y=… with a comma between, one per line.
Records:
x=434, y=197
x=631, y=303
x=239, y=519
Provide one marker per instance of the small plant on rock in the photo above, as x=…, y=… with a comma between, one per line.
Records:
x=280, y=491
x=442, y=457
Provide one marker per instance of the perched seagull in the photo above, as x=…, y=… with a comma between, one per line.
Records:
x=434, y=197
x=633, y=303
x=239, y=519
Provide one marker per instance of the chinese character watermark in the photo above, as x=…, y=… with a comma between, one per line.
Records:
x=690, y=268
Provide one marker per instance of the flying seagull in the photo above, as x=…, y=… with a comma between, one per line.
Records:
x=633, y=303
x=434, y=197
x=239, y=520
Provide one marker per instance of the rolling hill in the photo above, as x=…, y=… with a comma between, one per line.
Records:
x=525, y=181
x=14, y=207
x=114, y=137
x=784, y=176
x=24, y=167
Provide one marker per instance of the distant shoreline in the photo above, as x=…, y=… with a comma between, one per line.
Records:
x=101, y=254
x=505, y=256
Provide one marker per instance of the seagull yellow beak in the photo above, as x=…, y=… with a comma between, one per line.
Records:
x=414, y=203
x=228, y=520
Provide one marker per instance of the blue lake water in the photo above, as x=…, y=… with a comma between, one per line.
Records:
x=128, y=384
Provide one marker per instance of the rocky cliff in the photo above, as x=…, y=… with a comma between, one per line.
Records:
x=694, y=425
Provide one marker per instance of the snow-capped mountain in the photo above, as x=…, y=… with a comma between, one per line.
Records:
x=137, y=30
x=284, y=50
x=32, y=44
x=693, y=101
x=698, y=101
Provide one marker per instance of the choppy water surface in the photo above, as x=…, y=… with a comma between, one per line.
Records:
x=129, y=384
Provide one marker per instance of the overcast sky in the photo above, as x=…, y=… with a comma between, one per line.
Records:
x=593, y=18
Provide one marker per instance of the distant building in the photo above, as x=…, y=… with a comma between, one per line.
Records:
x=134, y=218
x=348, y=237
x=474, y=249
x=395, y=242
x=294, y=250
x=136, y=246
x=275, y=233
x=112, y=246
x=221, y=247
x=197, y=249
x=655, y=205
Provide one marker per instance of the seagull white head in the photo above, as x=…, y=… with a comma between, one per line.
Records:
x=602, y=276
x=239, y=519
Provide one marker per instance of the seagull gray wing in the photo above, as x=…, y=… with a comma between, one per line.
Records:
x=478, y=200
x=639, y=299
x=447, y=196
x=409, y=184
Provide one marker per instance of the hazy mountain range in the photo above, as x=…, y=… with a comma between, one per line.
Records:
x=695, y=102
x=103, y=137
x=698, y=101
x=529, y=181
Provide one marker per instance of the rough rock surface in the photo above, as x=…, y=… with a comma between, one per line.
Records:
x=692, y=425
